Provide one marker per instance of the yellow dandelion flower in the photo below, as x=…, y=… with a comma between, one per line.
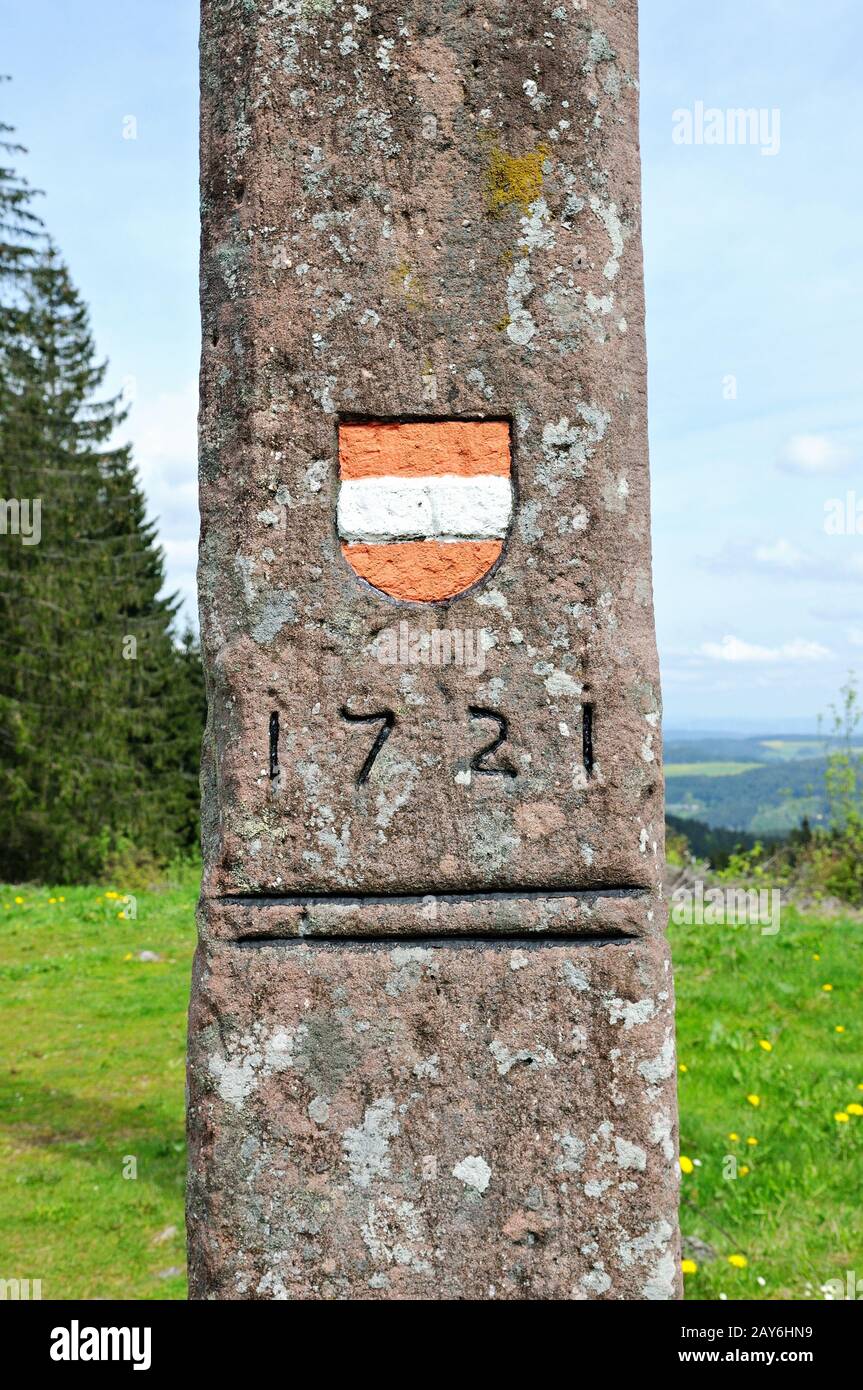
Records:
x=121, y=913
x=128, y=955
x=743, y=1170
x=688, y=1267
x=815, y=955
x=733, y=1137
x=860, y=1085
x=61, y=899
x=841, y=1117
x=683, y=1067
x=854, y=1108
x=686, y=1164
x=840, y=1027
x=767, y=1046
x=52, y=900
x=19, y=901
x=828, y=989
x=739, y=1261
x=754, y=1100
x=752, y=1139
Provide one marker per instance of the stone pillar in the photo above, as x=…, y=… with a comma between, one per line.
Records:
x=431, y=1033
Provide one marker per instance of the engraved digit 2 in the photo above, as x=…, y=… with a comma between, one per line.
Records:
x=388, y=720
x=476, y=762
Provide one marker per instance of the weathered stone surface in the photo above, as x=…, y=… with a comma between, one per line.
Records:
x=430, y=1038
x=403, y=1121
x=425, y=211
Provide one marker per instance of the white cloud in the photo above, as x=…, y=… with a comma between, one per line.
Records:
x=734, y=649
x=165, y=426
x=812, y=455
x=163, y=430
x=781, y=559
x=781, y=555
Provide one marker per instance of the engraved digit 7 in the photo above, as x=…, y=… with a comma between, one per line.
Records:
x=476, y=762
x=384, y=732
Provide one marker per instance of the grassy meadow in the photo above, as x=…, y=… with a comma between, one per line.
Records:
x=93, y=1035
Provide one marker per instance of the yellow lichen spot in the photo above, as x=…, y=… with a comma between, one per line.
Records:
x=409, y=282
x=503, y=324
x=512, y=180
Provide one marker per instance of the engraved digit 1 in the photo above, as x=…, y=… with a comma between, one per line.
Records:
x=274, y=745
x=476, y=762
x=388, y=721
x=587, y=738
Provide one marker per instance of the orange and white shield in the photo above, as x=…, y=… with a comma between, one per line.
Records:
x=424, y=507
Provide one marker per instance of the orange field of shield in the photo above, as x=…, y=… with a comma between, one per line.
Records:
x=424, y=571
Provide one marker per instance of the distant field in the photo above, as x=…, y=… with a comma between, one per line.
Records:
x=93, y=1042
x=801, y=748
x=718, y=769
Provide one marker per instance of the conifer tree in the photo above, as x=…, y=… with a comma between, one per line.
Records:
x=100, y=707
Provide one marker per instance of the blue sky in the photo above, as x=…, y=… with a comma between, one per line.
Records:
x=754, y=270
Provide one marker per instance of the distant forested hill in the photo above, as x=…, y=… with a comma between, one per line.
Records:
x=769, y=799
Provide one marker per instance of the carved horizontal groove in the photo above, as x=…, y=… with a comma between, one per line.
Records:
x=419, y=899
x=498, y=941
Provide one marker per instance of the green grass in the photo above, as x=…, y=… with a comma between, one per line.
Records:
x=93, y=1045
x=708, y=769
x=796, y=1216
